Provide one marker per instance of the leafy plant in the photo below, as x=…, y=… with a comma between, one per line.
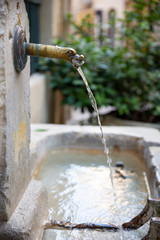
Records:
x=126, y=76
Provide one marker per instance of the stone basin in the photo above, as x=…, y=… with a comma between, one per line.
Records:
x=145, y=141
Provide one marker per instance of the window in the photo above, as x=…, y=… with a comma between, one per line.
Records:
x=32, y=7
x=98, y=29
x=111, y=28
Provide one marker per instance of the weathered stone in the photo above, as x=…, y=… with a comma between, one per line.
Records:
x=152, y=161
x=14, y=112
x=145, y=141
x=27, y=220
x=23, y=205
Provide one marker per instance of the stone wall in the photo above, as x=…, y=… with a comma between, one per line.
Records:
x=14, y=111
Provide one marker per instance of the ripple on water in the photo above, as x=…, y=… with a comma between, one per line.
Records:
x=80, y=190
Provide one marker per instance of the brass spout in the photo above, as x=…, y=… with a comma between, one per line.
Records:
x=21, y=49
x=50, y=51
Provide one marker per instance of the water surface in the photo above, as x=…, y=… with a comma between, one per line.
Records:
x=80, y=190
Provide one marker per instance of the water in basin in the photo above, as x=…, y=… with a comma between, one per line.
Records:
x=80, y=190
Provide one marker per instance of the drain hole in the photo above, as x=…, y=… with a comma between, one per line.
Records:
x=10, y=35
x=18, y=5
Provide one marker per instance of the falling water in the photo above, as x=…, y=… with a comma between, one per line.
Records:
x=106, y=150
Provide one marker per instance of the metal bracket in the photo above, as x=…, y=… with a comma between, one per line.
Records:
x=19, y=49
x=154, y=230
x=150, y=211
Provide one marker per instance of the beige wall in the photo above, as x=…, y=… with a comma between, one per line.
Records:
x=80, y=8
x=53, y=13
x=57, y=18
x=104, y=5
x=76, y=6
x=107, y=5
x=46, y=21
x=39, y=98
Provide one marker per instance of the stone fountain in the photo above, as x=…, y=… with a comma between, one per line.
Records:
x=23, y=200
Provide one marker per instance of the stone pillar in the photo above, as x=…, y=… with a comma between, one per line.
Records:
x=14, y=111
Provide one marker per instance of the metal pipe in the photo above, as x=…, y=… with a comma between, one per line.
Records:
x=52, y=52
x=21, y=49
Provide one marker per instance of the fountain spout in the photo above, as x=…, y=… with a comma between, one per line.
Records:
x=21, y=49
x=50, y=51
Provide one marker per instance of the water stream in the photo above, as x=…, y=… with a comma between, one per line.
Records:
x=73, y=184
x=106, y=150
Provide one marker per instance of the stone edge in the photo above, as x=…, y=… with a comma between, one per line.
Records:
x=45, y=137
x=28, y=218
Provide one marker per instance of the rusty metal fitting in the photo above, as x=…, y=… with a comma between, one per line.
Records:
x=150, y=211
x=19, y=50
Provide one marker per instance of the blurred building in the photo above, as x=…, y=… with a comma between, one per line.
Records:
x=103, y=12
x=48, y=21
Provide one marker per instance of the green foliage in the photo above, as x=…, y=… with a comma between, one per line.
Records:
x=126, y=76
